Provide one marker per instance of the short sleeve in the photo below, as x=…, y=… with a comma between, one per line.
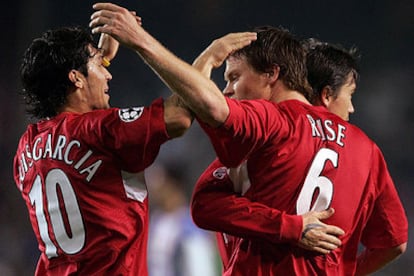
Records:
x=248, y=127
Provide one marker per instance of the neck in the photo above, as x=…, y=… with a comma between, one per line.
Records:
x=282, y=93
x=75, y=103
x=290, y=95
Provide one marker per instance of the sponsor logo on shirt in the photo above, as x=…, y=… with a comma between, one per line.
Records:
x=130, y=114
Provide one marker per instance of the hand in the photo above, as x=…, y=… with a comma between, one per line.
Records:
x=318, y=236
x=118, y=22
x=110, y=45
x=218, y=51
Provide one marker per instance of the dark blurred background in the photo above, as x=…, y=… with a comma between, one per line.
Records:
x=382, y=30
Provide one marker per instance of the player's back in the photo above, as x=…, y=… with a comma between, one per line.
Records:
x=310, y=160
x=314, y=160
x=79, y=177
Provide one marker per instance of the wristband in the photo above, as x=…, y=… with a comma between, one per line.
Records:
x=105, y=62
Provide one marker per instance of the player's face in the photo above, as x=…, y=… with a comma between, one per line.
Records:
x=243, y=82
x=342, y=104
x=97, y=82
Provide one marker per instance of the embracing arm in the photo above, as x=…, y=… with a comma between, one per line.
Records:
x=215, y=206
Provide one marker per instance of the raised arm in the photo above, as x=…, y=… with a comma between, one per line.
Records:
x=197, y=91
x=109, y=47
x=218, y=51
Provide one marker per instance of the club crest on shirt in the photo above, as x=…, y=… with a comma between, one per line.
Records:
x=220, y=173
x=130, y=114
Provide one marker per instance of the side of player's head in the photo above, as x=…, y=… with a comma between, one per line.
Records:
x=329, y=65
x=46, y=65
x=276, y=46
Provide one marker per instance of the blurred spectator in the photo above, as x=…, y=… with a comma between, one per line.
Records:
x=176, y=246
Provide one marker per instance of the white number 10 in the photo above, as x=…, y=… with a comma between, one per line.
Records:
x=69, y=244
x=315, y=181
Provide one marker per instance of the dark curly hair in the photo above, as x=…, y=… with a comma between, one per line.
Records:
x=329, y=65
x=46, y=65
x=277, y=46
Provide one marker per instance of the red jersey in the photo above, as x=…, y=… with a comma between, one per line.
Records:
x=79, y=176
x=213, y=184
x=299, y=158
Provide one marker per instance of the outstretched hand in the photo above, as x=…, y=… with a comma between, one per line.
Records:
x=318, y=236
x=218, y=51
x=118, y=22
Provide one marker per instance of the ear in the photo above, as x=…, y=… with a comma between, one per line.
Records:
x=76, y=78
x=273, y=74
x=326, y=96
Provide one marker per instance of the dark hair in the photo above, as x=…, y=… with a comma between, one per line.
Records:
x=276, y=46
x=46, y=65
x=329, y=65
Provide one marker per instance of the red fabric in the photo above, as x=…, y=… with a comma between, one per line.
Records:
x=287, y=146
x=81, y=160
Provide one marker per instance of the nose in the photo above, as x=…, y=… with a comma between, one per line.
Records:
x=351, y=108
x=228, y=90
x=108, y=75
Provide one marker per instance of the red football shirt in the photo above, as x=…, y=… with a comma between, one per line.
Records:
x=299, y=158
x=215, y=184
x=79, y=175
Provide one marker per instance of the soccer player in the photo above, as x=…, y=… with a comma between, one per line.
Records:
x=79, y=168
x=300, y=158
x=332, y=73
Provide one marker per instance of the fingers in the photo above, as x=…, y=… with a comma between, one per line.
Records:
x=325, y=213
x=334, y=230
x=237, y=41
x=137, y=18
x=217, y=52
x=320, y=237
x=100, y=20
x=106, y=6
x=106, y=17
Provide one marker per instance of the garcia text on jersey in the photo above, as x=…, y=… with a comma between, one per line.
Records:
x=62, y=150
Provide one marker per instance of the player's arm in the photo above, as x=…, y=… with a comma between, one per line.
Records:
x=385, y=234
x=218, y=51
x=110, y=46
x=371, y=260
x=176, y=111
x=198, y=92
x=216, y=207
x=177, y=116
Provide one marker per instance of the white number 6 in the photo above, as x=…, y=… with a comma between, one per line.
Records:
x=315, y=181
